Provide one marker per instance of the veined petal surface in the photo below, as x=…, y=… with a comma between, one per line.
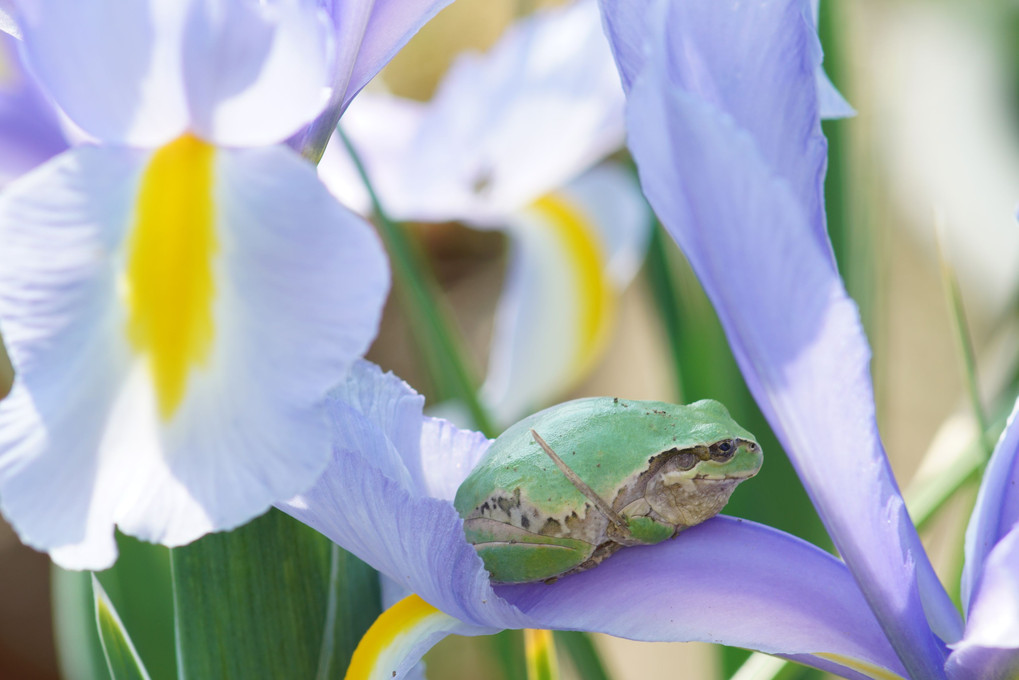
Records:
x=255, y=72
x=727, y=581
x=297, y=284
x=113, y=67
x=61, y=226
x=369, y=502
x=739, y=206
x=503, y=129
x=234, y=72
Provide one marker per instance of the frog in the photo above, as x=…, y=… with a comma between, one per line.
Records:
x=562, y=490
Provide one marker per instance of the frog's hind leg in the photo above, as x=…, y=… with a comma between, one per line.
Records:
x=515, y=555
x=600, y=554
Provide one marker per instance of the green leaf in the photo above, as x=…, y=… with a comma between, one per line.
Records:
x=121, y=657
x=272, y=599
x=79, y=649
x=581, y=651
x=140, y=588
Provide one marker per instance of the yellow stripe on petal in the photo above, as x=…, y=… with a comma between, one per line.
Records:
x=862, y=667
x=169, y=267
x=586, y=263
x=539, y=650
x=397, y=632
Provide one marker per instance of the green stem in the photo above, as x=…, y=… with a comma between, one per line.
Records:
x=443, y=348
x=926, y=498
x=663, y=287
x=965, y=345
x=540, y=652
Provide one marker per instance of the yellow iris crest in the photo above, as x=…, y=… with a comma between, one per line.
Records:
x=587, y=263
x=169, y=269
x=380, y=648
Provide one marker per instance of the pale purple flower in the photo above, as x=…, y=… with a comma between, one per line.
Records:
x=179, y=291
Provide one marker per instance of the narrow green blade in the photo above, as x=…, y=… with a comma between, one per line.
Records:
x=582, y=653
x=139, y=587
x=273, y=599
x=79, y=649
x=121, y=657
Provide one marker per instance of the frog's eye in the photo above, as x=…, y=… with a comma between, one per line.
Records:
x=686, y=460
x=723, y=451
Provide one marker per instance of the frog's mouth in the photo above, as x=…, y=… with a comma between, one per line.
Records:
x=746, y=474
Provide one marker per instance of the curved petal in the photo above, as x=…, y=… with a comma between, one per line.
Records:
x=379, y=36
x=990, y=647
x=503, y=129
x=366, y=503
x=255, y=72
x=448, y=455
x=399, y=638
x=557, y=310
x=625, y=24
x=60, y=225
x=29, y=130
x=727, y=581
x=245, y=426
x=997, y=508
x=417, y=541
x=368, y=33
x=112, y=66
x=750, y=237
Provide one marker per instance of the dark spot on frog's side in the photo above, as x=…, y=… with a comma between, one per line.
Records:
x=551, y=527
x=524, y=522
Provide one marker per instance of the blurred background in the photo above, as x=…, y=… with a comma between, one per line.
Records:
x=934, y=148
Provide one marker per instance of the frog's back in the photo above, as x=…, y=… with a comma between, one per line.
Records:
x=604, y=440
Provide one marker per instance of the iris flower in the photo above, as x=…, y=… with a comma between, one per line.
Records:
x=723, y=116
x=508, y=142
x=178, y=295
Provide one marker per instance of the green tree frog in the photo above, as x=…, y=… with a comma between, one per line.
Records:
x=565, y=488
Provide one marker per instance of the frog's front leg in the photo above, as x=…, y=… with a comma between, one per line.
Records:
x=640, y=529
x=515, y=555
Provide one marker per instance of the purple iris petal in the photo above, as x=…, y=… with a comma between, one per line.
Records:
x=990, y=648
x=370, y=502
x=727, y=581
x=997, y=507
x=745, y=212
x=368, y=34
x=29, y=130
